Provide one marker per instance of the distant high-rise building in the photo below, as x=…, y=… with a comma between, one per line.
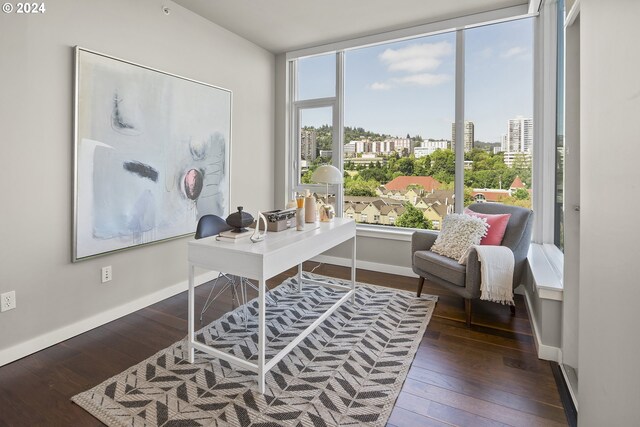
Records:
x=504, y=143
x=308, y=144
x=468, y=136
x=520, y=135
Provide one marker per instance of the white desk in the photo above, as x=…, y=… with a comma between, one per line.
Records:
x=261, y=261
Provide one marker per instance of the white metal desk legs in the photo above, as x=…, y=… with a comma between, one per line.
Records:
x=300, y=277
x=191, y=310
x=262, y=286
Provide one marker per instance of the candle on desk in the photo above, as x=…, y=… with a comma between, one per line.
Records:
x=310, y=214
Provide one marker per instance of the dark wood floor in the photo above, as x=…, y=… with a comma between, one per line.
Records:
x=486, y=375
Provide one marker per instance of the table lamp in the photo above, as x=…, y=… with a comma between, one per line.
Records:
x=327, y=174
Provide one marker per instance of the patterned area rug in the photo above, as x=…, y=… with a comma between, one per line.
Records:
x=348, y=372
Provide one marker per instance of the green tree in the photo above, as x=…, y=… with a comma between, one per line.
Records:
x=443, y=165
x=405, y=166
x=413, y=218
x=377, y=174
x=360, y=187
x=355, y=134
x=422, y=166
x=417, y=140
x=468, y=196
x=521, y=194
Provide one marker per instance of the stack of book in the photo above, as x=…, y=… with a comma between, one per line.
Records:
x=232, y=236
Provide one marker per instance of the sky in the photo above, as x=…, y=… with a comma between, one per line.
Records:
x=408, y=87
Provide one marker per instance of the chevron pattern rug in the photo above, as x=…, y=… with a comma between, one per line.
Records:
x=348, y=372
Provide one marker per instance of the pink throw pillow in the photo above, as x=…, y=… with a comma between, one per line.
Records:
x=497, y=227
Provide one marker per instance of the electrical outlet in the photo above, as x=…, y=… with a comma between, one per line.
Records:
x=8, y=301
x=106, y=274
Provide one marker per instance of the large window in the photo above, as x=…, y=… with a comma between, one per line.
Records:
x=499, y=108
x=387, y=118
x=398, y=107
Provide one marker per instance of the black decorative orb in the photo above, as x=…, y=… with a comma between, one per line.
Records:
x=239, y=220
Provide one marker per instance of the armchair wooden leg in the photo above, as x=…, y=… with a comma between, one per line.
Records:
x=467, y=310
x=513, y=310
x=420, y=284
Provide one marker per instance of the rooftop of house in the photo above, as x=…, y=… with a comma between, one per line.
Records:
x=517, y=183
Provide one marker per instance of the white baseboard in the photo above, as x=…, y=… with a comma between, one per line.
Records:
x=366, y=265
x=572, y=392
x=48, y=339
x=545, y=352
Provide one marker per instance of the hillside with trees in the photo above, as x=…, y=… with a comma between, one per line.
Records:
x=488, y=170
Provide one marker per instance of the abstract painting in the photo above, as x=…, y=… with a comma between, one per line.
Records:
x=152, y=154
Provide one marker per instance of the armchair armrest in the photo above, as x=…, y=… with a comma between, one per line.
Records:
x=472, y=278
x=422, y=240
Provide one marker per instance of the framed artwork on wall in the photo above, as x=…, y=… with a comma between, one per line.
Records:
x=152, y=154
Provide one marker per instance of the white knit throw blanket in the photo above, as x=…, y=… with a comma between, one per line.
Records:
x=496, y=273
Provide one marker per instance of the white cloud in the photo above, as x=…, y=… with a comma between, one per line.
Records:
x=418, y=57
x=486, y=53
x=424, y=79
x=514, y=51
x=380, y=86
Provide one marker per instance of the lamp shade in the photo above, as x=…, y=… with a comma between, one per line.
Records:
x=327, y=174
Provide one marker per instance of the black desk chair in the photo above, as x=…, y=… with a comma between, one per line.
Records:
x=212, y=225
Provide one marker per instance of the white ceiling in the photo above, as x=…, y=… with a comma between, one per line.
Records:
x=285, y=25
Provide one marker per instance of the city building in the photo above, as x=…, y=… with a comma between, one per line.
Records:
x=429, y=146
x=498, y=195
x=308, y=145
x=349, y=149
x=402, y=145
x=468, y=136
x=520, y=135
x=385, y=147
x=517, y=158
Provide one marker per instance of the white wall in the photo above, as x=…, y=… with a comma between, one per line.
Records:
x=570, y=308
x=609, y=387
x=36, y=150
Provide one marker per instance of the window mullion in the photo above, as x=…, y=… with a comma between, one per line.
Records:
x=338, y=125
x=459, y=124
x=292, y=140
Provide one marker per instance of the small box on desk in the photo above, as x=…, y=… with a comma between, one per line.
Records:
x=280, y=220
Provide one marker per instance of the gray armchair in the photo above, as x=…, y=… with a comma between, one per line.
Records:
x=464, y=280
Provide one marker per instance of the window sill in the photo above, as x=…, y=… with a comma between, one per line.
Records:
x=546, y=265
x=382, y=232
